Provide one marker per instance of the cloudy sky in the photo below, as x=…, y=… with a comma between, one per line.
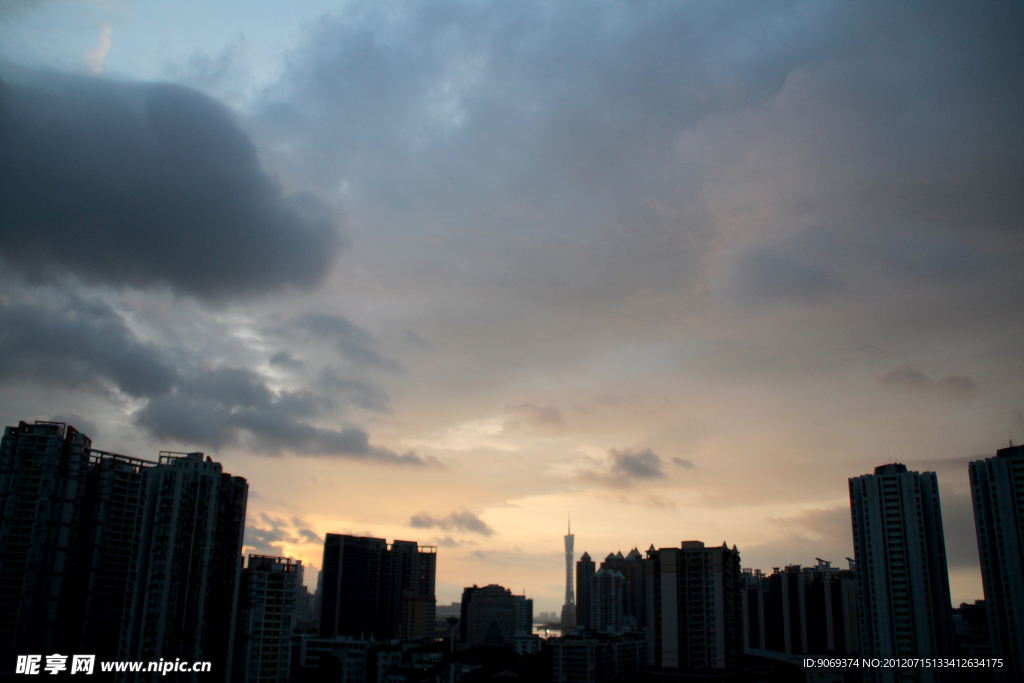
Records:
x=448, y=271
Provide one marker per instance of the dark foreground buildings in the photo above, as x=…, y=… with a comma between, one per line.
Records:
x=123, y=558
x=997, y=487
x=903, y=580
x=375, y=590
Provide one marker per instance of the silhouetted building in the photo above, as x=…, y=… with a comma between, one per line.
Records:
x=43, y=473
x=585, y=568
x=190, y=563
x=489, y=616
x=997, y=487
x=115, y=556
x=801, y=610
x=694, y=607
x=524, y=614
x=375, y=590
x=901, y=568
x=606, y=589
x=266, y=616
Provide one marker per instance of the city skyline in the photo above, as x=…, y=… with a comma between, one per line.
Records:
x=442, y=272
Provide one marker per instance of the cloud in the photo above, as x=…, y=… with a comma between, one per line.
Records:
x=285, y=360
x=907, y=379
x=630, y=465
x=535, y=415
x=99, y=54
x=626, y=468
x=75, y=342
x=330, y=382
x=462, y=521
x=225, y=405
x=311, y=537
x=353, y=342
x=683, y=462
x=146, y=185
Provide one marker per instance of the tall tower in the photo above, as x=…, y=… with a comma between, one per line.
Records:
x=997, y=486
x=569, y=608
x=901, y=566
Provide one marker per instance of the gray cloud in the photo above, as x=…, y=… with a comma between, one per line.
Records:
x=285, y=360
x=462, y=521
x=353, y=342
x=906, y=378
x=330, y=382
x=145, y=185
x=535, y=415
x=636, y=465
x=683, y=462
x=79, y=343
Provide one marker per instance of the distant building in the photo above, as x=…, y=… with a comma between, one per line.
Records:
x=266, y=616
x=372, y=589
x=694, y=603
x=569, y=608
x=524, y=614
x=490, y=616
x=997, y=487
x=597, y=658
x=901, y=568
x=605, y=603
x=585, y=568
x=801, y=610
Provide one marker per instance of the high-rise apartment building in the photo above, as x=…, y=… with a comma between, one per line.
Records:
x=190, y=562
x=997, y=487
x=694, y=608
x=585, y=568
x=372, y=589
x=115, y=556
x=266, y=615
x=43, y=472
x=900, y=553
x=802, y=610
x=492, y=617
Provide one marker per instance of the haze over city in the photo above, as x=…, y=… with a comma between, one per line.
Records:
x=449, y=271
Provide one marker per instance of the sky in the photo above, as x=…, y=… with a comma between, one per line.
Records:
x=452, y=271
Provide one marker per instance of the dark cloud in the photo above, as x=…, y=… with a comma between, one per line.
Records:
x=463, y=521
x=683, y=462
x=142, y=185
x=906, y=378
x=355, y=344
x=330, y=382
x=311, y=537
x=79, y=343
x=285, y=360
x=632, y=465
x=225, y=405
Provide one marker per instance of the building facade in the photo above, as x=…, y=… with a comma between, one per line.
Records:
x=266, y=615
x=903, y=580
x=694, y=607
x=997, y=487
x=119, y=557
x=802, y=610
x=492, y=618
x=375, y=590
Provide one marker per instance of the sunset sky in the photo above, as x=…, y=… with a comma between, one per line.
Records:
x=449, y=271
